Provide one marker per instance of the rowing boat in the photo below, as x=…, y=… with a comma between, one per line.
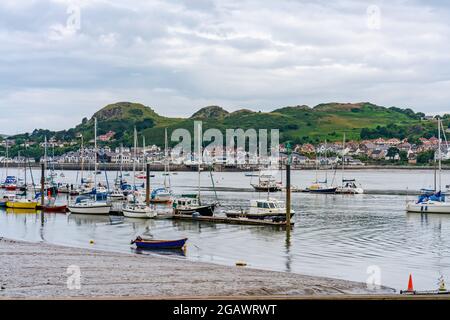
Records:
x=159, y=244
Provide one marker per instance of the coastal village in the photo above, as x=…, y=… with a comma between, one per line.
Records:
x=357, y=153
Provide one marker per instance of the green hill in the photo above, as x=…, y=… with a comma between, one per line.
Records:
x=298, y=124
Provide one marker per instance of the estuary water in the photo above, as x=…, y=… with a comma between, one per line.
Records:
x=340, y=236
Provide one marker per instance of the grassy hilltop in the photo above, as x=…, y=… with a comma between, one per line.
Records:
x=298, y=124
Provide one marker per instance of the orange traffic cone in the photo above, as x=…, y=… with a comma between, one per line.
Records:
x=410, y=284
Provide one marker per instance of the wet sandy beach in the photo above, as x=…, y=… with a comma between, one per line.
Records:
x=39, y=270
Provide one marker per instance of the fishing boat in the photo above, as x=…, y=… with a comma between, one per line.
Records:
x=86, y=205
x=142, y=243
x=21, y=204
x=432, y=201
x=261, y=209
x=139, y=211
x=188, y=206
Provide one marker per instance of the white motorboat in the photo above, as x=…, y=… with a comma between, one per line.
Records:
x=349, y=187
x=139, y=211
x=261, y=209
x=86, y=205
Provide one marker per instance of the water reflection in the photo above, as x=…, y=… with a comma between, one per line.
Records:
x=334, y=235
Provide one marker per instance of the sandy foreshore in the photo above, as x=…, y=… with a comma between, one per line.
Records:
x=39, y=270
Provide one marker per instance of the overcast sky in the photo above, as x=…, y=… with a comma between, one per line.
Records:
x=177, y=56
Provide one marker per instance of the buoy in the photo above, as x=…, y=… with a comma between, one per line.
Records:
x=91, y=241
x=241, y=263
x=410, y=284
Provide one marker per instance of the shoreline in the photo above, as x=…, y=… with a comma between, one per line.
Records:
x=215, y=168
x=39, y=270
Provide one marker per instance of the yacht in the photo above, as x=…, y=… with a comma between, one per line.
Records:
x=432, y=201
x=261, y=209
x=138, y=210
x=86, y=205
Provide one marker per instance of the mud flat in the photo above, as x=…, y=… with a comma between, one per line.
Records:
x=39, y=270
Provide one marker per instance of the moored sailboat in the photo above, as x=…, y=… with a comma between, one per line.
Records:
x=432, y=201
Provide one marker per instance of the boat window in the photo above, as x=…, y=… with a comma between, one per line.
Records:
x=271, y=205
x=260, y=205
x=266, y=205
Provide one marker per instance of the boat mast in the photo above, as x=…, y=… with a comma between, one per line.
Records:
x=439, y=153
x=134, y=160
x=200, y=158
x=165, y=157
x=82, y=157
x=7, y=157
x=326, y=164
x=95, y=155
x=143, y=153
x=343, y=158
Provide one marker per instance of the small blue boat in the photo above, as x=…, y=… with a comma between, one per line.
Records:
x=159, y=244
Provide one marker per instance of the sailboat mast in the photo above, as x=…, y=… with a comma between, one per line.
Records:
x=439, y=153
x=143, y=154
x=7, y=157
x=95, y=157
x=343, y=158
x=165, y=157
x=134, y=158
x=200, y=158
x=326, y=163
x=82, y=158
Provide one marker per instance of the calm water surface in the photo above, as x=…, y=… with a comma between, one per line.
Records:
x=334, y=235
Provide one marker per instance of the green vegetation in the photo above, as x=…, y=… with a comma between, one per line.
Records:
x=297, y=124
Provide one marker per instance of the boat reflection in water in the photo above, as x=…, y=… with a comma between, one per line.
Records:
x=21, y=211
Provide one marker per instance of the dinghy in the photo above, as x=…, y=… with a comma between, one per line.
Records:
x=159, y=244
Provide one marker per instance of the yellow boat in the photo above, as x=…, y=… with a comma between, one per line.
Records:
x=21, y=204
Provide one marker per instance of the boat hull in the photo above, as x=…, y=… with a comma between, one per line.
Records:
x=266, y=189
x=138, y=213
x=54, y=208
x=207, y=211
x=101, y=210
x=160, y=244
x=349, y=190
x=323, y=191
x=256, y=216
x=435, y=207
x=21, y=205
